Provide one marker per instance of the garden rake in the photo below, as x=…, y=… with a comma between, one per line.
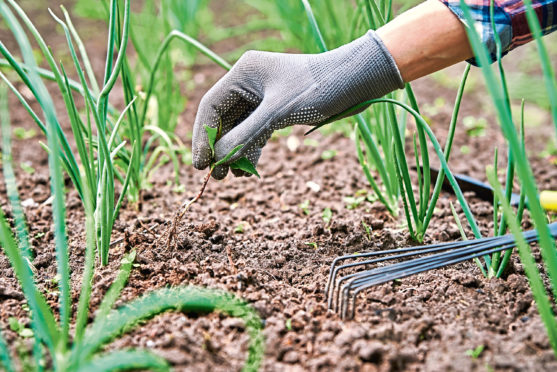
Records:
x=342, y=291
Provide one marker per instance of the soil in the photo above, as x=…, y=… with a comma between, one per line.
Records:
x=278, y=260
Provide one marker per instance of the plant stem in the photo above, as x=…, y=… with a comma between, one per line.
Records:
x=184, y=208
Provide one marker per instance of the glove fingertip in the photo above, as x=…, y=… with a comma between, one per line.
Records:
x=238, y=172
x=201, y=159
x=220, y=172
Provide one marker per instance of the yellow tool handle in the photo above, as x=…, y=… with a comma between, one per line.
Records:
x=549, y=200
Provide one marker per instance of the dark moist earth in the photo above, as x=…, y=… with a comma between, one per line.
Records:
x=251, y=237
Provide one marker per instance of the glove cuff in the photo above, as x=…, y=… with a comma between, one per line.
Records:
x=356, y=72
x=385, y=65
x=375, y=70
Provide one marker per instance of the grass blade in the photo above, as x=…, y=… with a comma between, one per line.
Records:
x=171, y=150
x=34, y=82
x=448, y=146
x=43, y=73
x=43, y=319
x=185, y=299
x=88, y=270
x=367, y=172
x=527, y=259
x=548, y=73
x=122, y=360
x=317, y=35
x=111, y=79
x=421, y=122
x=164, y=46
x=53, y=133
x=404, y=173
x=24, y=103
x=524, y=170
x=9, y=175
x=404, y=194
x=125, y=184
x=112, y=19
x=82, y=52
x=5, y=359
x=116, y=288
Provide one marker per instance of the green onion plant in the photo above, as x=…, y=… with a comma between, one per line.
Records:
x=523, y=171
x=94, y=133
x=336, y=17
x=79, y=347
x=153, y=79
x=112, y=146
x=381, y=130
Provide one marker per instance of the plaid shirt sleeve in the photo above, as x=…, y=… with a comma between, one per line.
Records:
x=510, y=21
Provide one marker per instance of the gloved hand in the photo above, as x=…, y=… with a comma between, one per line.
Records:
x=266, y=91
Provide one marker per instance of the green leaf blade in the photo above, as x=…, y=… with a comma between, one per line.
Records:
x=229, y=155
x=5, y=359
x=212, y=137
x=245, y=165
x=185, y=299
x=117, y=286
x=125, y=360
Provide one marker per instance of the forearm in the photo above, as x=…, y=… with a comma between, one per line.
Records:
x=426, y=39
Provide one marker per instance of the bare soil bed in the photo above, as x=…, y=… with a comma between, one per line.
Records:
x=423, y=323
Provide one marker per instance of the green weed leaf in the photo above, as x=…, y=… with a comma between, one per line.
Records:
x=245, y=165
x=328, y=154
x=184, y=299
x=288, y=324
x=126, y=359
x=311, y=244
x=327, y=215
x=22, y=133
x=212, y=135
x=352, y=202
x=475, y=353
x=305, y=207
x=27, y=168
x=115, y=289
x=229, y=155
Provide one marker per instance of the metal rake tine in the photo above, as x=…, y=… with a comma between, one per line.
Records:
x=400, y=270
x=477, y=246
x=329, y=290
x=375, y=277
x=408, y=252
x=334, y=269
x=417, y=250
x=415, y=270
x=400, y=265
x=443, y=256
x=381, y=278
x=356, y=256
x=461, y=251
x=343, y=292
x=390, y=251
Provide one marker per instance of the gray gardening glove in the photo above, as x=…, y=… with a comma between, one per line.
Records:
x=266, y=91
